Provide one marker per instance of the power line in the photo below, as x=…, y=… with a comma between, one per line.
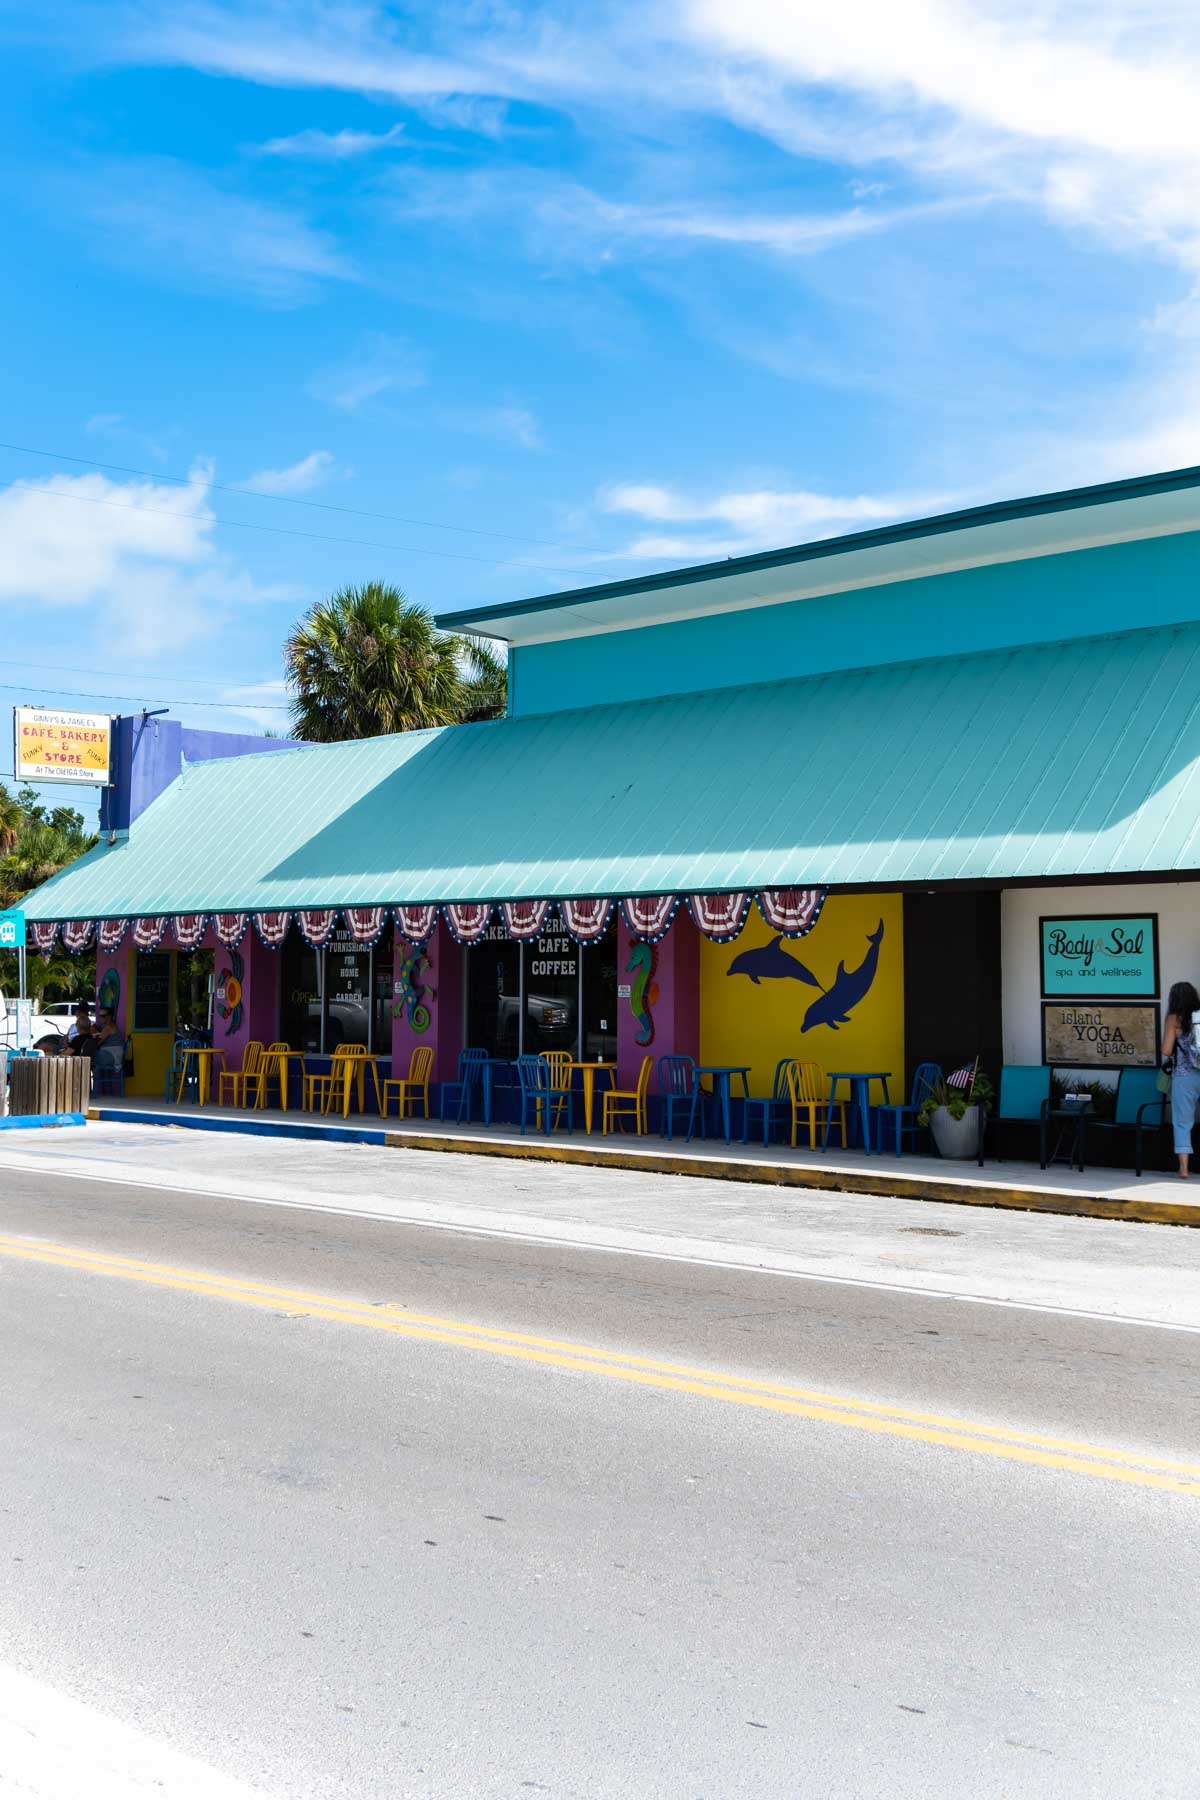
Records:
x=322, y=537
x=57, y=668
x=357, y=512
x=23, y=687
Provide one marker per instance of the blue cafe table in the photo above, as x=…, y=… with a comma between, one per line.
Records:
x=722, y=1078
x=489, y=1065
x=858, y=1081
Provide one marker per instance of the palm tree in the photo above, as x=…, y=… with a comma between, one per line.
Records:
x=485, y=689
x=12, y=817
x=41, y=849
x=365, y=663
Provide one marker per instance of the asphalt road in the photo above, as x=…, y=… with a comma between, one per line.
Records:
x=324, y=1533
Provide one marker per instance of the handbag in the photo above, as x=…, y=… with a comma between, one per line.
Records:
x=1162, y=1080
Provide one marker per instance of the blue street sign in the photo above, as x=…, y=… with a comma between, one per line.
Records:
x=12, y=929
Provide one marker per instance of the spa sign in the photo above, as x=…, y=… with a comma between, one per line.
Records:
x=61, y=746
x=1095, y=953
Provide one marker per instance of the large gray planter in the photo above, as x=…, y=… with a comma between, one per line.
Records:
x=957, y=1139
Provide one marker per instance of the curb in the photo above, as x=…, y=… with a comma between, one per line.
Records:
x=32, y=1121
x=830, y=1181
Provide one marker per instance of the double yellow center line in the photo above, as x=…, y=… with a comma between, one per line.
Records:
x=1105, y=1464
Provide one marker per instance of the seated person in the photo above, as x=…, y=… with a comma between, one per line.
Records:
x=104, y=1031
x=81, y=1027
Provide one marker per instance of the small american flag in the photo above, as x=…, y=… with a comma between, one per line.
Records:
x=964, y=1077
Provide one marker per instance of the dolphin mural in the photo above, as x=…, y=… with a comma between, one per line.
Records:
x=771, y=962
x=833, y=1007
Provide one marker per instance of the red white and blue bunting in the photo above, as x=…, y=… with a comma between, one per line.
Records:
x=586, y=920
x=230, y=928
x=524, y=918
x=272, y=928
x=316, y=928
x=719, y=916
x=649, y=916
x=110, y=935
x=468, y=923
x=77, y=935
x=44, y=934
x=148, y=933
x=365, y=923
x=791, y=911
x=416, y=923
x=189, y=929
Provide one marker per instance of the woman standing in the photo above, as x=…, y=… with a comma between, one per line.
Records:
x=1181, y=1054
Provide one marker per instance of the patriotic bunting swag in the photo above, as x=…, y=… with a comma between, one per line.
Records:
x=468, y=923
x=792, y=911
x=649, y=917
x=230, y=928
x=110, y=934
x=316, y=928
x=272, y=928
x=719, y=916
x=148, y=933
x=365, y=923
x=189, y=929
x=524, y=918
x=586, y=920
x=416, y=923
x=44, y=935
x=76, y=935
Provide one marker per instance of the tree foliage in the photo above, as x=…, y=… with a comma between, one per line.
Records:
x=34, y=845
x=365, y=662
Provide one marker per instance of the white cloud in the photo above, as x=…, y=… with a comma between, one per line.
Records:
x=300, y=477
x=516, y=424
x=263, y=701
x=331, y=146
x=136, y=559
x=100, y=424
x=755, y=518
x=185, y=227
x=378, y=363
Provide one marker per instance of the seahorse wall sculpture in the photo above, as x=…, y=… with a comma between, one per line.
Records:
x=643, y=994
x=413, y=963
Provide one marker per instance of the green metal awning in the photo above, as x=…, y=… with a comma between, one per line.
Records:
x=1055, y=762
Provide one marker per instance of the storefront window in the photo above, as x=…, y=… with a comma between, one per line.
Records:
x=600, y=999
x=152, y=991
x=300, y=994
x=193, y=992
x=348, y=986
x=551, y=993
x=494, y=994
x=338, y=995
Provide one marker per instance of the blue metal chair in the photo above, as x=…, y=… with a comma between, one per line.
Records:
x=780, y=1102
x=108, y=1068
x=1024, y=1100
x=904, y=1118
x=190, y=1071
x=470, y=1077
x=539, y=1094
x=679, y=1086
x=1140, y=1108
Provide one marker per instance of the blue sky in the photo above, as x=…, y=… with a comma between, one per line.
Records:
x=508, y=298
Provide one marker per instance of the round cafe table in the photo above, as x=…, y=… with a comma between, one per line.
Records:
x=589, y=1071
x=205, y=1059
x=859, y=1083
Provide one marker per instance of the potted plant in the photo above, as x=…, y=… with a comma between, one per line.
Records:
x=955, y=1116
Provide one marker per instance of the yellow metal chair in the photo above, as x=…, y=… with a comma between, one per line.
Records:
x=412, y=1087
x=808, y=1091
x=320, y=1091
x=559, y=1062
x=273, y=1069
x=236, y=1085
x=623, y=1104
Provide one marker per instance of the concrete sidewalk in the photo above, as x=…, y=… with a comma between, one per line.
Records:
x=1103, y=1193
x=1116, y=1271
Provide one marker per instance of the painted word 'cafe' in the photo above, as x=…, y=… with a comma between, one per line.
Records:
x=924, y=792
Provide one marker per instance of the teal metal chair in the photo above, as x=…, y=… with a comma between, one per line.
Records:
x=1139, y=1108
x=904, y=1118
x=469, y=1077
x=108, y=1068
x=679, y=1086
x=540, y=1096
x=1024, y=1099
x=779, y=1102
x=190, y=1071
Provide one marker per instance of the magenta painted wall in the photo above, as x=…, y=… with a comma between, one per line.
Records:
x=442, y=983
x=676, y=1012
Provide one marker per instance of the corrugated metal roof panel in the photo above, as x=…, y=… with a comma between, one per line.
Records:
x=1078, y=759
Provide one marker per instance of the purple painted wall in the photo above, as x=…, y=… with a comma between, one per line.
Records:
x=149, y=754
x=676, y=1012
x=442, y=982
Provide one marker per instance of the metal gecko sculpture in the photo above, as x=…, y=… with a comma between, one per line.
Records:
x=643, y=961
x=413, y=962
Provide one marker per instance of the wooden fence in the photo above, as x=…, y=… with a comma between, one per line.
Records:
x=49, y=1084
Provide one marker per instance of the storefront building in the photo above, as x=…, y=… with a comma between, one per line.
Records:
x=855, y=802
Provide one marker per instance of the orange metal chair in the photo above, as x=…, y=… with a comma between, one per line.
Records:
x=808, y=1091
x=413, y=1087
x=623, y=1104
x=239, y=1084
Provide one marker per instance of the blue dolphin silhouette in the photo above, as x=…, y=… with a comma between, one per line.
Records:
x=771, y=962
x=833, y=1008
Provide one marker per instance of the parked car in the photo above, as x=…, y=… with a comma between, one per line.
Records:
x=54, y=1022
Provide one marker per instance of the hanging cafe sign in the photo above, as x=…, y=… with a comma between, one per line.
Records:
x=790, y=911
x=61, y=746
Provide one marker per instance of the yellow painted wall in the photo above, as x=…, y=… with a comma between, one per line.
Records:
x=744, y=1023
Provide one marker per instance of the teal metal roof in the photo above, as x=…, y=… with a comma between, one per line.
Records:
x=1003, y=531
x=1060, y=761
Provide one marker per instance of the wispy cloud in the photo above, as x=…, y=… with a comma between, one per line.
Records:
x=378, y=364
x=331, y=146
x=752, y=518
x=100, y=424
x=263, y=701
x=508, y=424
x=183, y=226
x=312, y=471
